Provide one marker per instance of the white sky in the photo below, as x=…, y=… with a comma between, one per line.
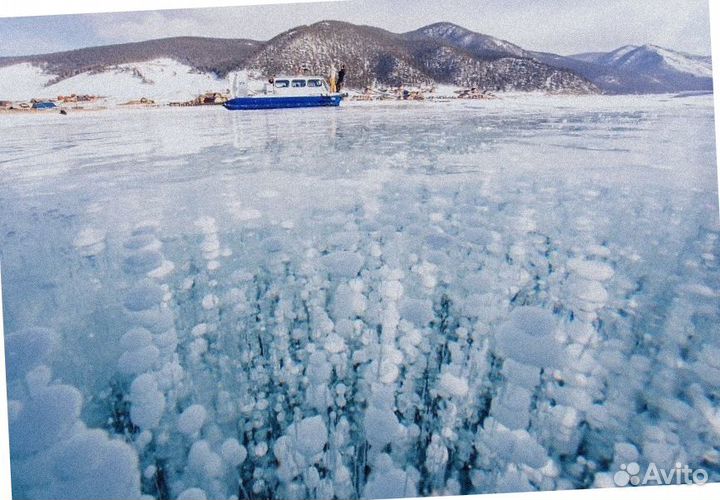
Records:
x=561, y=26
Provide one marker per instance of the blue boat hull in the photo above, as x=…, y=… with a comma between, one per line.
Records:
x=278, y=102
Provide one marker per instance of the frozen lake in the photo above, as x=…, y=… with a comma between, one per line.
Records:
x=372, y=301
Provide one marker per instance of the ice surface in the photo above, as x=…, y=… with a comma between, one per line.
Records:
x=515, y=446
x=343, y=264
x=308, y=436
x=45, y=419
x=27, y=349
x=89, y=465
x=591, y=270
x=233, y=452
x=148, y=403
x=135, y=338
x=389, y=481
x=203, y=461
x=192, y=419
x=381, y=427
x=143, y=297
x=529, y=337
x=386, y=300
x=142, y=261
x=454, y=386
x=138, y=360
x=192, y=494
x=90, y=242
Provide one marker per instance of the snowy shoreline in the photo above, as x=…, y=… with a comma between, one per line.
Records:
x=165, y=82
x=518, y=100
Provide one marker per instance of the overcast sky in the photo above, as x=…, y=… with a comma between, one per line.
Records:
x=560, y=26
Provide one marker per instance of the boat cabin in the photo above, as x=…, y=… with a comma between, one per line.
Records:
x=298, y=85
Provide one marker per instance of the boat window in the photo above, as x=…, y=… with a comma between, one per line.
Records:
x=315, y=83
x=298, y=83
x=282, y=84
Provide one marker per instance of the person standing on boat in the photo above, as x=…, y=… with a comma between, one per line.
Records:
x=270, y=86
x=341, y=78
x=333, y=79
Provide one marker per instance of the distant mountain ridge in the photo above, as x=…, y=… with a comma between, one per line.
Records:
x=482, y=46
x=372, y=56
x=440, y=53
x=638, y=69
x=375, y=55
x=217, y=55
x=629, y=69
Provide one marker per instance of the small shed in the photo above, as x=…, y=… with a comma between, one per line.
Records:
x=43, y=105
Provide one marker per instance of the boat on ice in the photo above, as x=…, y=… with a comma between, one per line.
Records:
x=288, y=92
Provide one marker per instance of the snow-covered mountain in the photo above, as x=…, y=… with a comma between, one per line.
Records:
x=375, y=55
x=649, y=58
x=484, y=46
x=629, y=69
x=217, y=55
x=647, y=68
x=441, y=53
x=372, y=56
x=599, y=72
x=162, y=80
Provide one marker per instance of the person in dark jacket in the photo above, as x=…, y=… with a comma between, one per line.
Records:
x=341, y=78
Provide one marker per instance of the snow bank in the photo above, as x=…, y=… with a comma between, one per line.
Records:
x=162, y=80
x=24, y=81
